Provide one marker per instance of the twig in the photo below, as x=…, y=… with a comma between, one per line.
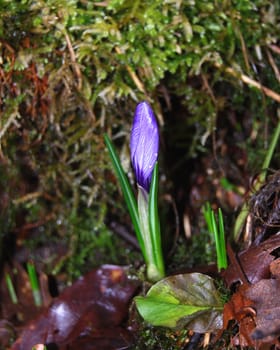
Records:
x=27, y=197
x=78, y=73
x=133, y=75
x=273, y=65
x=11, y=120
x=275, y=49
x=244, y=51
x=121, y=231
x=247, y=80
x=73, y=59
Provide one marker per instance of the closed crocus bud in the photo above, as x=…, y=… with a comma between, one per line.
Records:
x=144, y=144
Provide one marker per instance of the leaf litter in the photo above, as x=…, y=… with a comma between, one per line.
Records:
x=254, y=276
x=90, y=314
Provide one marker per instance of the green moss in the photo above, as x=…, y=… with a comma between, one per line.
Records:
x=72, y=70
x=157, y=338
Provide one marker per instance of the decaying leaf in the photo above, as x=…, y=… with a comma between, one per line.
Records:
x=254, y=261
x=239, y=308
x=266, y=302
x=255, y=304
x=264, y=209
x=190, y=300
x=93, y=307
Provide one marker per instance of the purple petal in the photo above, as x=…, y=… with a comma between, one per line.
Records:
x=144, y=143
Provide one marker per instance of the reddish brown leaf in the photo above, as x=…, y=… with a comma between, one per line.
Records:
x=95, y=304
x=254, y=261
x=7, y=333
x=266, y=302
x=275, y=268
x=239, y=308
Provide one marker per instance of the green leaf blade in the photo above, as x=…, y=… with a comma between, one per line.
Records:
x=183, y=300
x=127, y=192
x=166, y=314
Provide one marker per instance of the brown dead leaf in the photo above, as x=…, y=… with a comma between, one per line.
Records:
x=93, y=306
x=275, y=268
x=239, y=308
x=265, y=296
x=254, y=261
x=255, y=305
x=264, y=209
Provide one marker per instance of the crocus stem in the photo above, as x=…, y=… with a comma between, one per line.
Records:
x=154, y=223
x=154, y=270
x=143, y=213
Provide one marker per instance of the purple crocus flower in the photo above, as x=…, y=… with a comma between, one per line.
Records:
x=144, y=143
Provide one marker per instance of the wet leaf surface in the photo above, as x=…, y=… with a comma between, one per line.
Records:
x=266, y=302
x=254, y=261
x=92, y=309
x=255, y=304
x=190, y=300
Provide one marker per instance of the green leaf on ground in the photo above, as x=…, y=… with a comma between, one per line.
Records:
x=184, y=300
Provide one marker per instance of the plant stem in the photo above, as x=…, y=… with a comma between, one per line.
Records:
x=154, y=224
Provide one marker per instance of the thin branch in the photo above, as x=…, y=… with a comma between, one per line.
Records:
x=78, y=74
x=275, y=49
x=273, y=65
x=132, y=74
x=247, y=80
x=244, y=51
x=11, y=120
x=73, y=59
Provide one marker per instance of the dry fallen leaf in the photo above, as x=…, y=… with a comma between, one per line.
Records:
x=254, y=261
x=255, y=303
x=239, y=308
x=265, y=297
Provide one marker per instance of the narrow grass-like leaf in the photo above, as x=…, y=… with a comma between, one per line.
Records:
x=127, y=192
x=11, y=289
x=34, y=284
x=155, y=224
x=207, y=216
x=222, y=241
x=216, y=237
x=218, y=231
